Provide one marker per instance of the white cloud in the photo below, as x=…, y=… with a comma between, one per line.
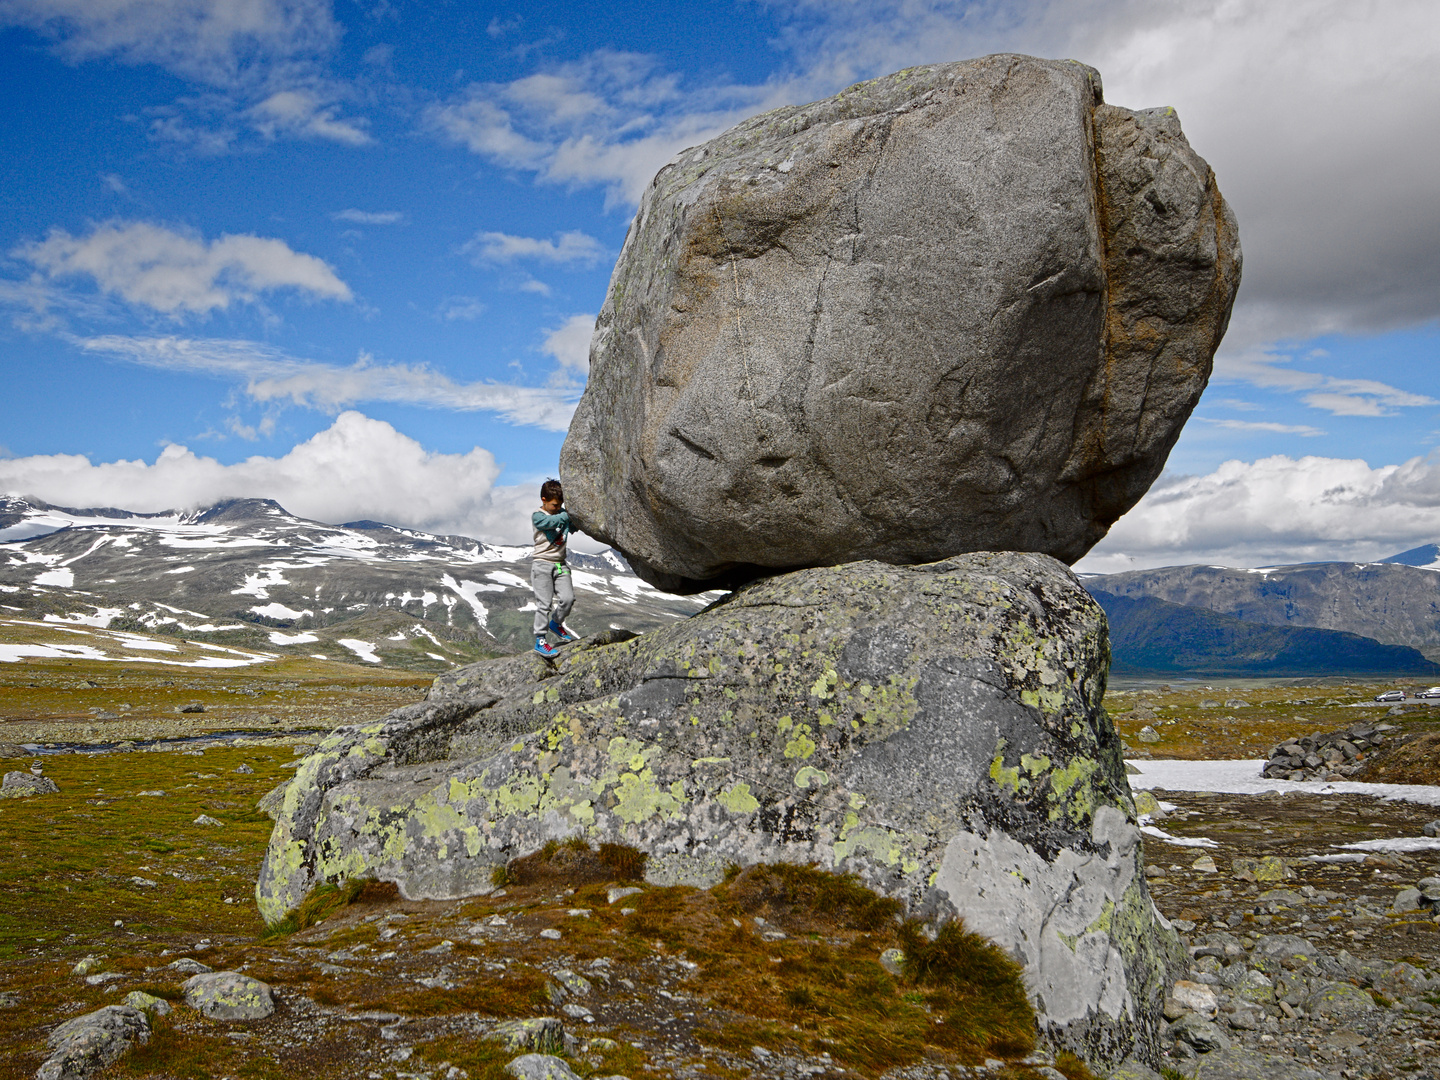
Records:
x=218, y=42
x=271, y=376
x=1268, y=368
x=369, y=217
x=609, y=119
x=1319, y=116
x=461, y=308
x=1263, y=425
x=357, y=468
x=567, y=249
x=302, y=114
x=1277, y=510
x=174, y=272
x=569, y=343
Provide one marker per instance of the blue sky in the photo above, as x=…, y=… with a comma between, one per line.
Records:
x=359, y=246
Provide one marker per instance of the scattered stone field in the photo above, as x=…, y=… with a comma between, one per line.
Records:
x=140, y=870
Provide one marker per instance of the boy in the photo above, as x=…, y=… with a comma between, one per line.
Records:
x=549, y=576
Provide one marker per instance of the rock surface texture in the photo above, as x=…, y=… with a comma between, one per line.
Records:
x=935, y=729
x=964, y=307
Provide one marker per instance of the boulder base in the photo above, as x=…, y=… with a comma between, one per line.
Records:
x=964, y=307
x=935, y=730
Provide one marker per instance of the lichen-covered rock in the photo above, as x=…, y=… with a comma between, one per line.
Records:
x=540, y=1067
x=541, y=1033
x=88, y=1043
x=963, y=307
x=228, y=995
x=19, y=785
x=936, y=730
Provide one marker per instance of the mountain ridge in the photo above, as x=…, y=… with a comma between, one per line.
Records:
x=246, y=572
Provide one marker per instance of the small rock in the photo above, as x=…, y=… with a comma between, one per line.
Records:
x=577, y=1012
x=228, y=995
x=550, y=934
x=20, y=785
x=1406, y=900
x=244, y=768
x=1245, y=1015
x=537, y=1033
x=88, y=1043
x=1148, y=734
x=206, y=819
x=1339, y=999
x=85, y=965
x=1153, y=871
x=1432, y=828
x=1265, y=869
x=148, y=1003
x=576, y=984
x=540, y=1067
x=1201, y=1034
x=1205, y=864
x=619, y=892
x=189, y=966
x=1194, y=997
x=893, y=961
x=193, y=707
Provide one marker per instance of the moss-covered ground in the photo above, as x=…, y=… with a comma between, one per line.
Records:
x=97, y=702
x=117, y=867
x=1195, y=723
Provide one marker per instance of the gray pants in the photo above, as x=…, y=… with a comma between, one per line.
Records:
x=551, y=584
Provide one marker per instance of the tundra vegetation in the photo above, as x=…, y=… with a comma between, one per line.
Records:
x=784, y=958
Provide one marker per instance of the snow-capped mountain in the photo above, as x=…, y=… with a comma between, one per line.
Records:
x=246, y=572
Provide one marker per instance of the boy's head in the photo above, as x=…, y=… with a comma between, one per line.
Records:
x=552, y=495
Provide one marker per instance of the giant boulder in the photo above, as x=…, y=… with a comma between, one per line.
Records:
x=964, y=307
x=937, y=730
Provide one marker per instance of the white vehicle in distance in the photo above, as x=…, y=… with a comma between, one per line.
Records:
x=1433, y=692
x=1391, y=695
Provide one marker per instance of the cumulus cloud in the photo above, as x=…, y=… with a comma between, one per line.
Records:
x=357, y=468
x=1277, y=510
x=303, y=114
x=1273, y=428
x=1319, y=117
x=569, y=343
x=175, y=272
x=217, y=42
x=610, y=118
x=573, y=248
x=270, y=375
x=369, y=217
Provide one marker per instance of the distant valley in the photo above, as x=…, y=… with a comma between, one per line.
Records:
x=1314, y=618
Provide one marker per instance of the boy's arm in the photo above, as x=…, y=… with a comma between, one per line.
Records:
x=558, y=524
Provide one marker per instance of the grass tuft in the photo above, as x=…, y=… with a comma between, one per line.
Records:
x=575, y=863
x=804, y=898
x=319, y=904
x=975, y=984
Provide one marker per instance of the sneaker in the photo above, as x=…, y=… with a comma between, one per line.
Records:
x=545, y=649
x=561, y=631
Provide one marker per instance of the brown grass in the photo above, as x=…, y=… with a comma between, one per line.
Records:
x=1416, y=761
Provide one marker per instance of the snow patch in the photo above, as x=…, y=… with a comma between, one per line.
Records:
x=363, y=649
x=274, y=610
x=278, y=638
x=63, y=578
x=1243, y=778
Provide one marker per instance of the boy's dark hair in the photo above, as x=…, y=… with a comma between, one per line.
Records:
x=551, y=489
